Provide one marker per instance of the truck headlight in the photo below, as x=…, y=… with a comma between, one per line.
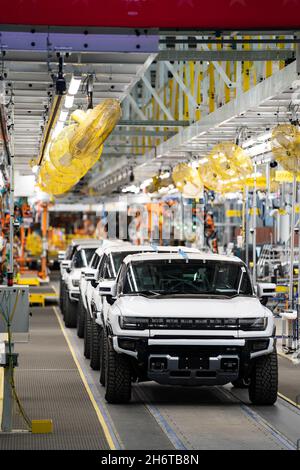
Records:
x=75, y=282
x=253, y=324
x=133, y=323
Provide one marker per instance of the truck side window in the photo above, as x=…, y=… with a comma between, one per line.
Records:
x=95, y=261
x=246, y=288
x=121, y=279
x=77, y=260
x=108, y=272
x=101, y=267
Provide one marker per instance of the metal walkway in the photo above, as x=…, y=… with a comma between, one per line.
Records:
x=51, y=386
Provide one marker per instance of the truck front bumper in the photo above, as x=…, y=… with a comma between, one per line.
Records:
x=74, y=295
x=193, y=361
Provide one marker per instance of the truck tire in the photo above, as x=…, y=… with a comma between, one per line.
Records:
x=80, y=319
x=102, y=350
x=61, y=293
x=95, y=345
x=70, y=314
x=241, y=383
x=63, y=306
x=87, y=335
x=117, y=377
x=264, y=380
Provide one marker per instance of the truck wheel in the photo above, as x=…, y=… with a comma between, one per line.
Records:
x=87, y=335
x=264, y=380
x=95, y=345
x=103, y=348
x=117, y=377
x=70, y=315
x=241, y=383
x=61, y=293
x=63, y=307
x=80, y=319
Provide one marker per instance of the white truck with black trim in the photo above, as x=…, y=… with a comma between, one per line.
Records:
x=188, y=320
x=80, y=260
x=97, y=305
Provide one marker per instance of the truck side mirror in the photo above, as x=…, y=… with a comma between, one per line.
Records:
x=264, y=291
x=108, y=288
x=66, y=264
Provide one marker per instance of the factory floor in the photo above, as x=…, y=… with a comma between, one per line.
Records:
x=55, y=382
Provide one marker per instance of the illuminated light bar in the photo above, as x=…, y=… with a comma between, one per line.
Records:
x=69, y=100
x=74, y=85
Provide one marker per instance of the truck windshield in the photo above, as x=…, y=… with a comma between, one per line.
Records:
x=82, y=258
x=115, y=261
x=195, y=278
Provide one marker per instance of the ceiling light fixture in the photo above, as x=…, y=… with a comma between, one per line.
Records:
x=74, y=85
x=63, y=116
x=69, y=101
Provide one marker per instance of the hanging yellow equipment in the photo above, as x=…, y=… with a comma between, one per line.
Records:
x=226, y=169
x=285, y=144
x=77, y=147
x=187, y=180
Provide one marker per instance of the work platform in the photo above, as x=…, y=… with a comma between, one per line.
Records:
x=55, y=382
x=39, y=295
x=51, y=387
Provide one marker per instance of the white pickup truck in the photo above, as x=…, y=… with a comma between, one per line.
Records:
x=96, y=311
x=187, y=320
x=73, y=268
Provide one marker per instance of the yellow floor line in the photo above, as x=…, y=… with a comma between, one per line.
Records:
x=4, y=338
x=1, y=392
x=288, y=400
x=285, y=356
x=89, y=392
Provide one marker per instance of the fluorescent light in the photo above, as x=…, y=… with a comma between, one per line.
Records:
x=74, y=85
x=131, y=189
x=58, y=128
x=69, y=100
x=146, y=183
x=35, y=169
x=260, y=138
x=63, y=116
x=2, y=92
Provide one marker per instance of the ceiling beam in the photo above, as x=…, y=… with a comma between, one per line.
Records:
x=229, y=56
x=143, y=133
x=152, y=123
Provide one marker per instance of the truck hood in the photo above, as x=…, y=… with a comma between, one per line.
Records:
x=190, y=307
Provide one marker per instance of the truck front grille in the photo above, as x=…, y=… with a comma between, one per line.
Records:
x=194, y=323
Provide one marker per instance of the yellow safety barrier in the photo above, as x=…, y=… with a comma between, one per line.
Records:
x=233, y=213
x=285, y=176
x=28, y=281
x=37, y=299
x=41, y=426
x=282, y=289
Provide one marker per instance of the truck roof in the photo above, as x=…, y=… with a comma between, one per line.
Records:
x=120, y=248
x=84, y=241
x=91, y=244
x=181, y=256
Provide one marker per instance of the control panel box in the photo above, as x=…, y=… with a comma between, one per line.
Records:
x=14, y=305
